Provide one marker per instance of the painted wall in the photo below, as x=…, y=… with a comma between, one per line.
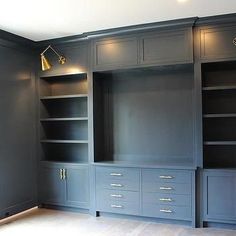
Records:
x=17, y=132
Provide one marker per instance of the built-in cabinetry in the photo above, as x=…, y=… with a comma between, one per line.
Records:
x=163, y=47
x=219, y=196
x=143, y=96
x=217, y=55
x=64, y=185
x=64, y=141
x=149, y=192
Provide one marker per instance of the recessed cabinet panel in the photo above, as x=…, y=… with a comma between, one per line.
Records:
x=77, y=192
x=116, y=52
x=52, y=186
x=168, y=47
x=217, y=43
x=220, y=195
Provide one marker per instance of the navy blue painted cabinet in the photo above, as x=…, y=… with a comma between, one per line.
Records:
x=219, y=196
x=64, y=185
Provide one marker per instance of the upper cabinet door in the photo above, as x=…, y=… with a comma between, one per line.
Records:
x=115, y=53
x=167, y=47
x=217, y=42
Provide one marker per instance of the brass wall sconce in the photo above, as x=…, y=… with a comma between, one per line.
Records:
x=44, y=61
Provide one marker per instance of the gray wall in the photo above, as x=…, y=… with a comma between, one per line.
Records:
x=17, y=131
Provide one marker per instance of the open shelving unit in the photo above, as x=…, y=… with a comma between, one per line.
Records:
x=64, y=118
x=219, y=114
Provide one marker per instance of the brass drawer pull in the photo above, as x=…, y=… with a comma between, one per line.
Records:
x=116, y=185
x=115, y=174
x=166, y=188
x=166, y=211
x=166, y=199
x=116, y=195
x=116, y=206
x=166, y=177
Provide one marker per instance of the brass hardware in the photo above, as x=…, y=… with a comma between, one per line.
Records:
x=61, y=173
x=45, y=63
x=166, y=199
x=166, y=188
x=115, y=174
x=64, y=173
x=166, y=211
x=234, y=41
x=116, y=185
x=166, y=177
x=116, y=195
x=116, y=206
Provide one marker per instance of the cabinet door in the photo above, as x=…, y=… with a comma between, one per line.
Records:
x=52, y=186
x=115, y=53
x=220, y=196
x=167, y=47
x=217, y=42
x=77, y=187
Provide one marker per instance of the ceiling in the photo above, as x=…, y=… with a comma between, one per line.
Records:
x=47, y=19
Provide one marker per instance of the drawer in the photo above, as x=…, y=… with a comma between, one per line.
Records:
x=167, y=212
x=113, y=173
x=175, y=188
x=166, y=176
x=117, y=195
x=121, y=207
x=118, y=184
x=167, y=199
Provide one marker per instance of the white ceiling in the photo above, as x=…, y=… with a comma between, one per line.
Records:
x=46, y=19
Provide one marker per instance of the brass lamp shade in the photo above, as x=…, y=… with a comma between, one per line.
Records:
x=45, y=63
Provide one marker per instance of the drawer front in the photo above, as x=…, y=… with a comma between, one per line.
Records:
x=115, y=52
x=118, y=184
x=167, y=47
x=167, y=199
x=121, y=207
x=109, y=173
x=166, y=176
x=174, y=188
x=217, y=42
x=167, y=212
x=116, y=195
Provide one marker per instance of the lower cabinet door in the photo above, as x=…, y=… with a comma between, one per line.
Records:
x=77, y=187
x=52, y=186
x=220, y=196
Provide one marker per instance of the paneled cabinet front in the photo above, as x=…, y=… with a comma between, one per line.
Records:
x=220, y=196
x=64, y=186
x=167, y=47
x=218, y=42
x=115, y=53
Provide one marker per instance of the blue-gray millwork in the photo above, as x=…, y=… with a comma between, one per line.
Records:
x=139, y=122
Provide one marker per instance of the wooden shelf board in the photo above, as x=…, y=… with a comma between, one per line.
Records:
x=65, y=119
x=220, y=143
x=223, y=115
x=62, y=141
x=215, y=88
x=64, y=96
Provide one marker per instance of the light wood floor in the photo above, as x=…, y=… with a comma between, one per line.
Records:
x=57, y=223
